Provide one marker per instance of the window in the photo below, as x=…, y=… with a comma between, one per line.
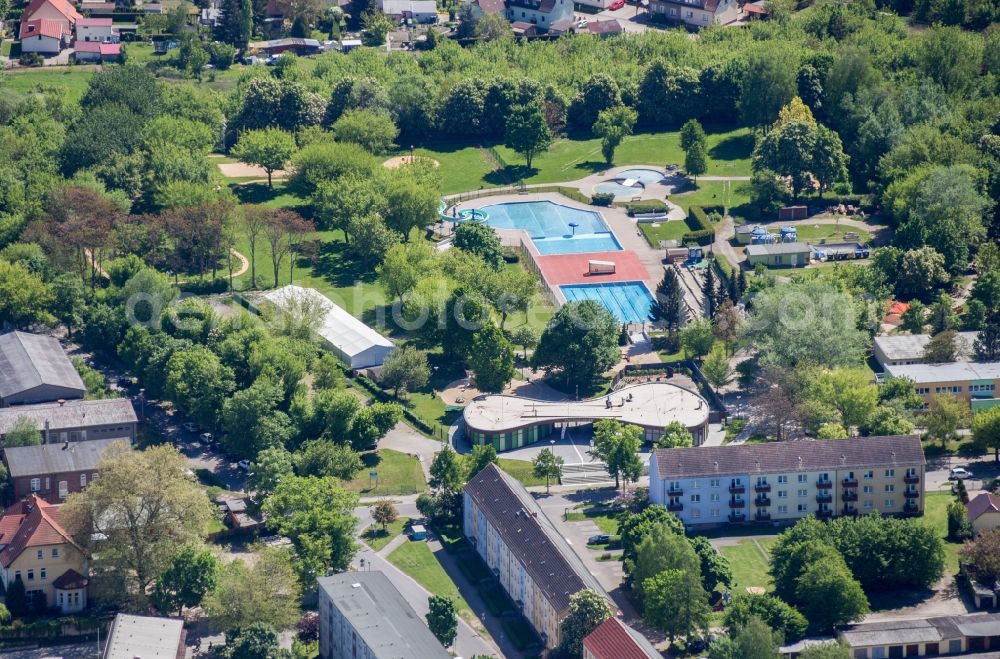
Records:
x=55, y=552
x=31, y=575
x=40, y=554
x=42, y=574
x=824, y=477
x=93, y=477
x=782, y=508
x=782, y=479
x=869, y=475
x=715, y=512
x=868, y=504
x=762, y=480
x=715, y=482
x=696, y=513
x=83, y=480
x=695, y=485
x=979, y=388
x=888, y=503
x=868, y=489
x=715, y=496
x=890, y=473
x=695, y=498
x=36, y=484
x=890, y=488
x=923, y=391
x=47, y=485
x=803, y=507
x=802, y=478
x=782, y=494
x=803, y=493
x=63, y=489
x=675, y=485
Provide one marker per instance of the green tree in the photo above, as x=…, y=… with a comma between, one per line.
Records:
x=668, y=307
x=265, y=593
x=715, y=568
x=255, y=641
x=613, y=125
x=778, y=615
x=547, y=465
x=696, y=160
x=942, y=348
x=697, y=337
x=252, y=420
x=526, y=131
x=17, y=599
x=617, y=445
x=384, y=512
x=442, y=619
x=372, y=239
x=942, y=316
x=271, y=465
x=944, y=416
x=446, y=471
x=676, y=603
x=525, y=337
x=675, y=435
x=492, y=359
x=716, y=368
x=850, y=391
x=481, y=240
x=318, y=457
x=375, y=131
x=482, y=456
x=661, y=550
x=24, y=432
x=756, y=640
x=191, y=574
x=830, y=596
x=269, y=148
x=403, y=267
x=24, y=297
x=633, y=527
x=581, y=342
x=914, y=318
x=986, y=431
x=768, y=85
x=198, y=383
x=983, y=554
x=412, y=203
x=587, y=610
x=832, y=650
x=987, y=343
x=405, y=369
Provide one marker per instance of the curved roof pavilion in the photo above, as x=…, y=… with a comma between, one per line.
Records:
x=650, y=405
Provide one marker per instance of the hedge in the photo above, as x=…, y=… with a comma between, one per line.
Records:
x=382, y=396
x=645, y=206
x=602, y=199
x=566, y=191
x=702, y=237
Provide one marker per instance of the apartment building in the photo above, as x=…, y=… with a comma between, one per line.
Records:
x=976, y=383
x=532, y=560
x=363, y=616
x=785, y=481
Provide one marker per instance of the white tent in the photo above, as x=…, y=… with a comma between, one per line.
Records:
x=356, y=344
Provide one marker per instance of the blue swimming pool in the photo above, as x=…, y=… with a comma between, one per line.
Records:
x=628, y=301
x=578, y=244
x=644, y=176
x=549, y=225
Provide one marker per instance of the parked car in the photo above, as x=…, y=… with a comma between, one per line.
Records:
x=599, y=539
x=616, y=5
x=244, y=465
x=958, y=474
x=206, y=438
x=190, y=426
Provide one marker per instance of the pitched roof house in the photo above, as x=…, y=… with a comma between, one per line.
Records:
x=53, y=471
x=47, y=25
x=35, y=548
x=542, y=13
x=76, y=420
x=613, y=639
x=34, y=368
x=696, y=13
x=984, y=512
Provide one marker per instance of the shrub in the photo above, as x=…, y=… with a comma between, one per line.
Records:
x=602, y=199
x=645, y=206
x=959, y=528
x=222, y=55
x=701, y=237
x=31, y=59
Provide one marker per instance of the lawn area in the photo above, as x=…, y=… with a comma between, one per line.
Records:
x=830, y=232
x=463, y=168
x=749, y=563
x=936, y=517
x=522, y=471
x=376, y=538
x=70, y=81
x=398, y=473
x=417, y=560
x=657, y=231
x=732, y=194
x=606, y=520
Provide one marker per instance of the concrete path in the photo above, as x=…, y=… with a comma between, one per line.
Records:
x=393, y=545
x=405, y=439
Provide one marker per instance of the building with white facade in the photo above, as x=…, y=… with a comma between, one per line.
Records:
x=542, y=13
x=785, y=481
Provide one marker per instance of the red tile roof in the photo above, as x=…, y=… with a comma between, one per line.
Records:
x=605, y=27
x=984, y=503
x=491, y=6
x=70, y=580
x=37, y=525
x=65, y=8
x=105, y=49
x=612, y=640
x=45, y=27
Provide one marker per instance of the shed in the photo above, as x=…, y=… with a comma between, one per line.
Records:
x=356, y=344
x=778, y=255
x=793, y=213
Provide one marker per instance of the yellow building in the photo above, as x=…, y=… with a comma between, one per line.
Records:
x=532, y=561
x=35, y=548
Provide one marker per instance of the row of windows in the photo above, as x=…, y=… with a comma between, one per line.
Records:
x=42, y=574
x=948, y=390
x=783, y=479
x=888, y=504
x=36, y=484
x=981, y=388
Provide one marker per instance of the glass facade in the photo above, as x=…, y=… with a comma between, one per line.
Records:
x=512, y=439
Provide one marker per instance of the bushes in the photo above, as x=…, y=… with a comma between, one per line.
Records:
x=205, y=286
x=645, y=206
x=702, y=231
x=701, y=237
x=31, y=59
x=959, y=528
x=602, y=199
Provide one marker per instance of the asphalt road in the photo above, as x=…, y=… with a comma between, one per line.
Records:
x=72, y=651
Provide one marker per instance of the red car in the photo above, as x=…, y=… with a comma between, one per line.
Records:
x=616, y=5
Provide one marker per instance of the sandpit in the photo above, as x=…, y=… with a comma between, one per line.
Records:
x=399, y=161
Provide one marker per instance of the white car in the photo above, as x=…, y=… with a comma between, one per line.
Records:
x=958, y=474
x=244, y=465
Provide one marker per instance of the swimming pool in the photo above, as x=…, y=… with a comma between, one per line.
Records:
x=628, y=301
x=578, y=244
x=644, y=176
x=544, y=219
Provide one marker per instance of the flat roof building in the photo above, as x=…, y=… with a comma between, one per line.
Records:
x=784, y=481
x=533, y=562
x=356, y=344
x=974, y=382
x=905, y=349
x=925, y=637
x=361, y=614
x=779, y=255
x=34, y=369
x=510, y=422
x=145, y=637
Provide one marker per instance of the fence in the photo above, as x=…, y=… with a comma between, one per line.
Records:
x=516, y=188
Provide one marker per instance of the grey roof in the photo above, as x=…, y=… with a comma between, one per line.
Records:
x=779, y=457
x=145, y=637
x=901, y=632
x=953, y=372
x=531, y=538
x=773, y=249
x=28, y=361
x=71, y=414
x=58, y=458
x=385, y=621
x=911, y=346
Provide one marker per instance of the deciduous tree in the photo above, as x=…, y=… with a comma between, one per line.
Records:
x=985, y=431
x=265, y=593
x=268, y=148
x=491, y=359
x=405, y=369
x=676, y=603
x=442, y=619
x=384, y=513
x=580, y=342
x=547, y=465
x=587, y=610
x=526, y=131
x=191, y=574
x=612, y=126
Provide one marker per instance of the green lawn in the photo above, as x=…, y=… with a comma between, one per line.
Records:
x=376, y=538
x=831, y=232
x=417, y=560
x=522, y=471
x=462, y=168
x=936, y=517
x=733, y=194
x=71, y=81
x=605, y=519
x=398, y=473
x=749, y=564
x=657, y=231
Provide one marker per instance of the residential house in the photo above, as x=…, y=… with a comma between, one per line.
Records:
x=927, y=637
x=534, y=563
x=76, y=420
x=560, y=28
x=418, y=11
x=976, y=383
x=696, y=13
x=363, y=616
x=485, y=7
x=235, y=514
x=53, y=471
x=34, y=368
x=94, y=51
x=778, y=255
x=903, y=349
x=613, y=639
x=46, y=27
x=288, y=44
x=984, y=512
x=785, y=481
x=100, y=30
x=524, y=29
x=35, y=548
x=542, y=13
x=145, y=637
x=605, y=29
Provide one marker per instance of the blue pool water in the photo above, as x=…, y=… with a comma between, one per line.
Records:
x=628, y=301
x=617, y=189
x=544, y=219
x=645, y=176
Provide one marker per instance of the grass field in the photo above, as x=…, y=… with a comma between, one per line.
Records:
x=606, y=520
x=522, y=471
x=673, y=230
x=376, y=538
x=830, y=232
x=936, y=517
x=749, y=562
x=398, y=473
x=417, y=560
x=70, y=81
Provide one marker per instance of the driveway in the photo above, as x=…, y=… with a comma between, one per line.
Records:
x=72, y=651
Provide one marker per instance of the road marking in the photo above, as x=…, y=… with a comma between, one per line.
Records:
x=573, y=444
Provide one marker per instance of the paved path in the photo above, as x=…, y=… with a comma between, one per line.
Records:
x=405, y=439
x=244, y=262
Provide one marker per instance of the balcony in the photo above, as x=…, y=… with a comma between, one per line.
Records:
x=850, y=482
x=762, y=487
x=911, y=479
x=849, y=512
x=824, y=497
x=675, y=506
x=912, y=494
x=737, y=489
x=762, y=501
x=911, y=508
x=737, y=503
x=675, y=492
x=737, y=517
x=849, y=496
x=762, y=517
x=824, y=485
x=824, y=514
